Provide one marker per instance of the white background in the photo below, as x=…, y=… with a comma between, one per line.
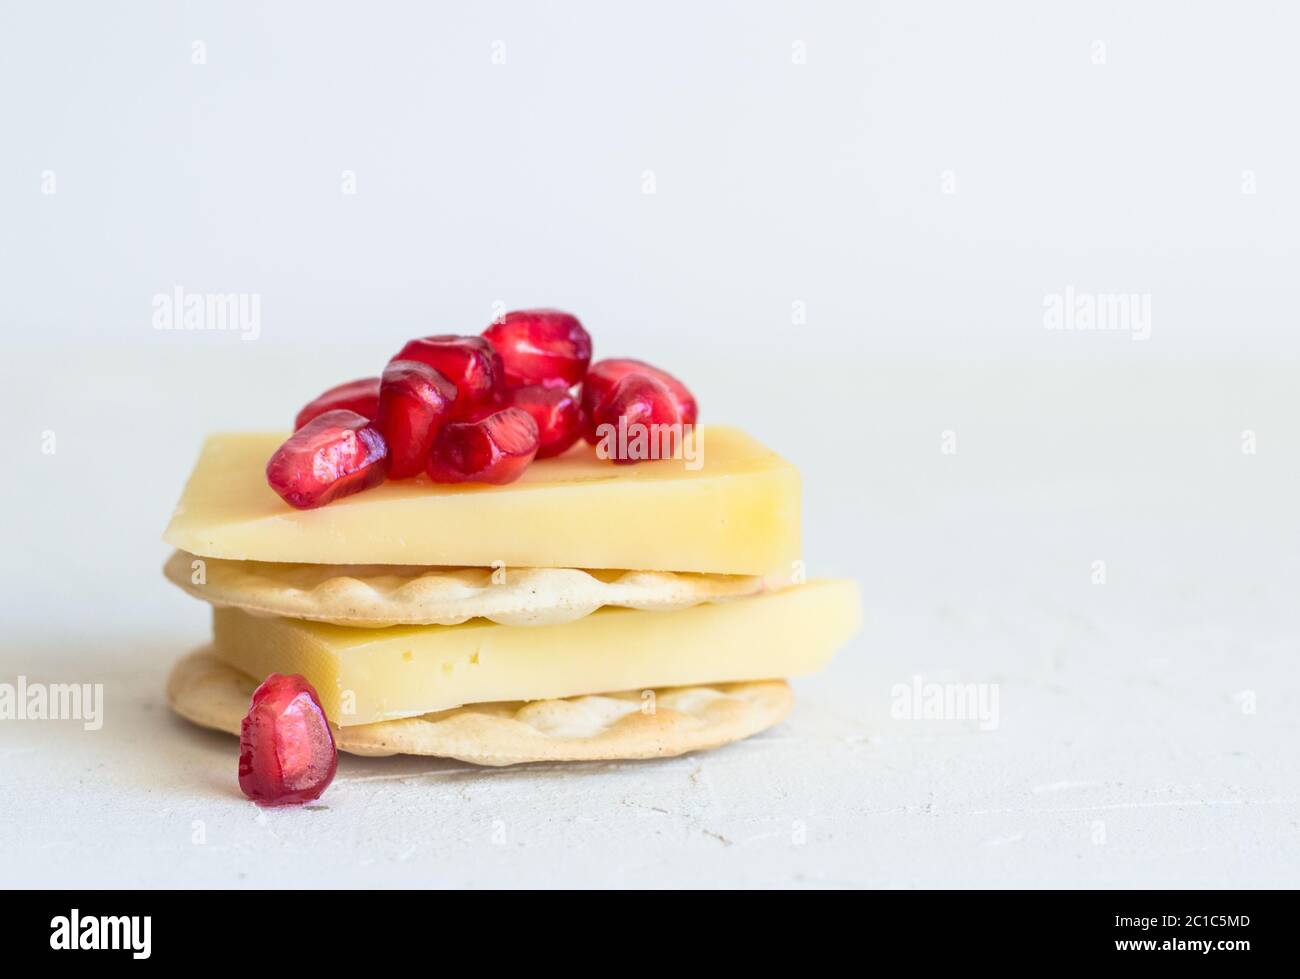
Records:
x=1147, y=729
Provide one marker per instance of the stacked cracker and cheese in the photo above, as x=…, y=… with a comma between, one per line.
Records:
x=585, y=610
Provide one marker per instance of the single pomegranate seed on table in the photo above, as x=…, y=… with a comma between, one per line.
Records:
x=494, y=449
x=636, y=403
x=333, y=455
x=469, y=363
x=603, y=375
x=557, y=412
x=360, y=396
x=541, y=345
x=286, y=748
x=414, y=403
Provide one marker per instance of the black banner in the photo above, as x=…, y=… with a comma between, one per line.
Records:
x=142, y=929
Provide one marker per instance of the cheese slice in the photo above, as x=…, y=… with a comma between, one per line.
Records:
x=736, y=513
x=369, y=675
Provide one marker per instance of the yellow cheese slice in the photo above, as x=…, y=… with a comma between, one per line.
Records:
x=369, y=675
x=738, y=513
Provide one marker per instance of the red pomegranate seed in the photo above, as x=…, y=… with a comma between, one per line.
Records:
x=360, y=396
x=286, y=747
x=333, y=455
x=494, y=449
x=541, y=345
x=414, y=403
x=604, y=374
x=557, y=413
x=636, y=403
x=470, y=363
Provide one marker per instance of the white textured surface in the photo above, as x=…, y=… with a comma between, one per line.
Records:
x=1123, y=754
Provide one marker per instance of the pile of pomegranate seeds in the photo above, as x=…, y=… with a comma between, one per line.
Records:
x=286, y=748
x=466, y=409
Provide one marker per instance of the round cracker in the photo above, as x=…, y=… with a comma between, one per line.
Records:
x=375, y=596
x=207, y=691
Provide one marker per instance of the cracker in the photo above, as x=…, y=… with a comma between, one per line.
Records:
x=374, y=596
x=210, y=693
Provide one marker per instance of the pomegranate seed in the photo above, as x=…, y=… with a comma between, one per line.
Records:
x=541, y=345
x=286, y=747
x=636, y=402
x=333, y=455
x=470, y=363
x=557, y=413
x=605, y=374
x=360, y=396
x=494, y=449
x=414, y=402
